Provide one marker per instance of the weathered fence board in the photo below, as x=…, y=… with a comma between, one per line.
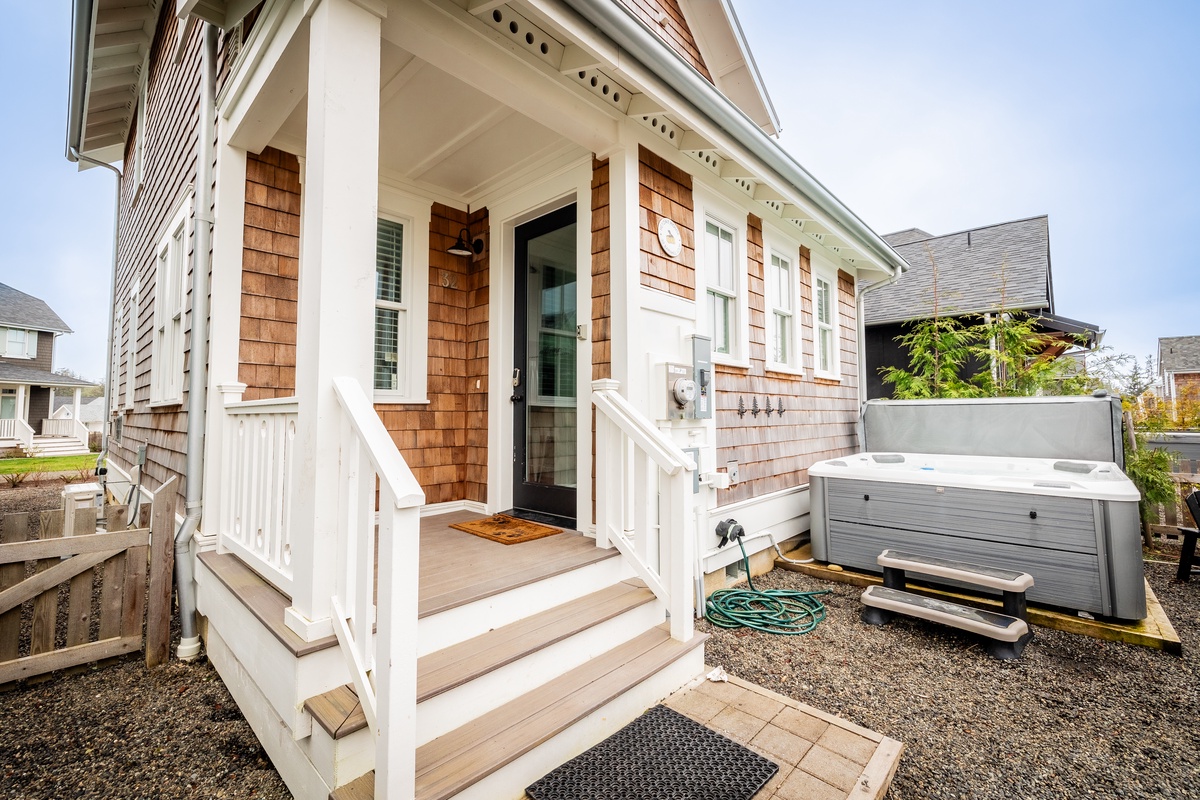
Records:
x=1172, y=516
x=84, y=594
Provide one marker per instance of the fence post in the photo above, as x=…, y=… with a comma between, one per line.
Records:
x=162, y=561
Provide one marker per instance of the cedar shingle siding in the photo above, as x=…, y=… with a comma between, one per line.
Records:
x=445, y=441
x=774, y=451
x=601, y=286
x=270, y=275
x=169, y=144
x=665, y=18
x=666, y=191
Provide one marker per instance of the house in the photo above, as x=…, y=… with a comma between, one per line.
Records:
x=977, y=272
x=1179, y=366
x=90, y=412
x=542, y=257
x=28, y=330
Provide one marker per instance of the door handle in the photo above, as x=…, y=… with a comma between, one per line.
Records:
x=516, y=398
x=516, y=377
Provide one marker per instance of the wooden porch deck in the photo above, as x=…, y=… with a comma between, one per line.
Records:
x=458, y=568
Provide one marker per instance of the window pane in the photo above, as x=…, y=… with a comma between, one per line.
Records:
x=387, y=340
x=823, y=301
x=726, y=260
x=825, y=349
x=783, y=333
x=718, y=313
x=712, y=258
x=389, y=249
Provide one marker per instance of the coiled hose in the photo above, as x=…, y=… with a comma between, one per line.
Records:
x=786, y=612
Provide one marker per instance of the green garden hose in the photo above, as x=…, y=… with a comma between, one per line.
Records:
x=786, y=612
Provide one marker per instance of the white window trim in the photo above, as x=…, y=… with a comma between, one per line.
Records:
x=415, y=215
x=129, y=348
x=139, y=142
x=167, y=351
x=29, y=351
x=790, y=252
x=726, y=215
x=822, y=271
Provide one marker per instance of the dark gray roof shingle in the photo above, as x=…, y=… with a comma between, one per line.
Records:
x=20, y=310
x=19, y=373
x=969, y=268
x=1179, y=354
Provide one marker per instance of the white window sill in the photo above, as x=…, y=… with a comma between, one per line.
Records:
x=727, y=360
x=165, y=403
x=785, y=369
x=828, y=376
x=389, y=398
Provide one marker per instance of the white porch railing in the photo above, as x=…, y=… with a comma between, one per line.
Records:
x=16, y=429
x=256, y=471
x=68, y=428
x=644, y=502
x=378, y=645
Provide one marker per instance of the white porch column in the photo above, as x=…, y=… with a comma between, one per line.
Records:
x=625, y=267
x=22, y=410
x=335, y=334
x=75, y=411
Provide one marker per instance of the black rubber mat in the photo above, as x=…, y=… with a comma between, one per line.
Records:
x=662, y=755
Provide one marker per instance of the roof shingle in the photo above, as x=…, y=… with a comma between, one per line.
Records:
x=1178, y=354
x=20, y=310
x=971, y=266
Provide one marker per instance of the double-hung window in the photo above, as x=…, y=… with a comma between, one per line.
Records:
x=391, y=309
x=825, y=324
x=781, y=298
x=170, y=294
x=18, y=343
x=722, y=276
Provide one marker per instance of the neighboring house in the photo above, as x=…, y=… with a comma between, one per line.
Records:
x=532, y=256
x=90, y=413
x=978, y=271
x=1179, y=366
x=28, y=331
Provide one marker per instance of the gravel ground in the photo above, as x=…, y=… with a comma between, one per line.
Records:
x=1074, y=717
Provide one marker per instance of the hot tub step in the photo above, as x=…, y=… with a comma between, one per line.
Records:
x=1005, y=580
x=1007, y=635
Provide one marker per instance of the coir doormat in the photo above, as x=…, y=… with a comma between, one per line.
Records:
x=661, y=754
x=505, y=529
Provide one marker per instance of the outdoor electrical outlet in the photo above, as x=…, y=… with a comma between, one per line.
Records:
x=732, y=468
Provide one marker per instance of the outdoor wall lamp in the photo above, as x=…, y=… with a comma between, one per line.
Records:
x=464, y=245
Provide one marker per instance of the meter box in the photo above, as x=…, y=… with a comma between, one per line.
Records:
x=689, y=389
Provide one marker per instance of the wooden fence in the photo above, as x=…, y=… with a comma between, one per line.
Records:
x=1172, y=516
x=70, y=598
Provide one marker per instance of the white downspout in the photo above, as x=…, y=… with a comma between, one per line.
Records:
x=189, y=644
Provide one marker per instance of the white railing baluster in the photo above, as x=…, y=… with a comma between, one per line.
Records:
x=644, y=501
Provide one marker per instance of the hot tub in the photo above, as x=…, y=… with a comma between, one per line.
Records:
x=1071, y=524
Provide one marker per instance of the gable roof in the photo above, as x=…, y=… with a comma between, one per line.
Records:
x=1178, y=354
x=32, y=376
x=971, y=266
x=20, y=310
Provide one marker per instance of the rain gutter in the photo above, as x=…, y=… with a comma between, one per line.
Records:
x=633, y=38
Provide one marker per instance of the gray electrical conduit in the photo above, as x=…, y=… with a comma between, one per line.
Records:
x=189, y=643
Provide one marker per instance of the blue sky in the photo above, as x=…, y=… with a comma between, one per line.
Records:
x=938, y=115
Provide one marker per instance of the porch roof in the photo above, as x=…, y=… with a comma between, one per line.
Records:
x=31, y=376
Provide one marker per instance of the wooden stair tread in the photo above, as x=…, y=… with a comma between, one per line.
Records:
x=262, y=599
x=455, y=665
x=434, y=601
x=338, y=711
x=465, y=755
x=361, y=788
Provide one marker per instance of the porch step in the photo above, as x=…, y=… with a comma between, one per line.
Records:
x=45, y=446
x=340, y=714
x=361, y=788
x=463, y=757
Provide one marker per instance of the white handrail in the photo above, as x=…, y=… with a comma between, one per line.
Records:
x=17, y=429
x=644, y=502
x=377, y=640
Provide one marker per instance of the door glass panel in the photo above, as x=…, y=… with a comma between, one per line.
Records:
x=550, y=428
x=8, y=407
